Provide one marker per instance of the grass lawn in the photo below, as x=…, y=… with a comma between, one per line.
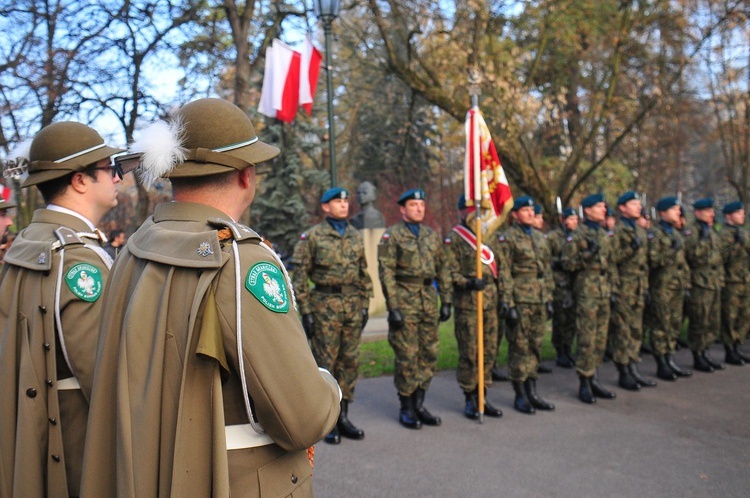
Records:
x=376, y=358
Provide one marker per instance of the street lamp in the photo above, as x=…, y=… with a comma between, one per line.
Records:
x=327, y=11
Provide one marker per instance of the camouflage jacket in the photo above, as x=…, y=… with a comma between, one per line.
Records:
x=556, y=240
x=461, y=260
x=703, y=254
x=588, y=252
x=325, y=257
x=666, y=259
x=526, y=275
x=735, y=251
x=631, y=258
x=407, y=263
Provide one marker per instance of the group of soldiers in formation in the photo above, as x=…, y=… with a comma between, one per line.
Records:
x=601, y=283
x=183, y=368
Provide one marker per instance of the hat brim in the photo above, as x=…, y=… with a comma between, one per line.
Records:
x=7, y=205
x=80, y=164
x=254, y=154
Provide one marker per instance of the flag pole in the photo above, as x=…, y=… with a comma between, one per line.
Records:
x=476, y=168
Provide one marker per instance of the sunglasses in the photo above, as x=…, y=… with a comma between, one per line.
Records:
x=115, y=168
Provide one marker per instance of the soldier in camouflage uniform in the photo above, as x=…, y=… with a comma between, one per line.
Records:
x=626, y=325
x=669, y=281
x=410, y=258
x=703, y=254
x=588, y=253
x=735, y=296
x=563, y=317
x=525, y=292
x=461, y=260
x=332, y=255
x=545, y=249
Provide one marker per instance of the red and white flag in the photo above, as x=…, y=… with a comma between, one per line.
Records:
x=5, y=192
x=484, y=178
x=289, y=80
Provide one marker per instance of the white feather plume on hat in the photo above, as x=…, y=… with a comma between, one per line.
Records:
x=16, y=164
x=161, y=146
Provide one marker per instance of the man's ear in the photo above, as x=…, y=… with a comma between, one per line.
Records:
x=79, y=182
x=243, y=177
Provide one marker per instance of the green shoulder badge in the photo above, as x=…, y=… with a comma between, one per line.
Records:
x=266, y=282
x=85, y=281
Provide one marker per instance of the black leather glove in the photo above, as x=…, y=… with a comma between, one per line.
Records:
x=503, y=311
x=513, y=318
x=476, y=284
x=365, y=317
x=308, y=324
x=739, y=236
x=396, y=319
x=567, y=301
x=550, y=310
x=676, y=243
x=445, y=312
x=636, y=243
x=647, y=297
x=592, y=246
x=613, y=298
x=705, y=231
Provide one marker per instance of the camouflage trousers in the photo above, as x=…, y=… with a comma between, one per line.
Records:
x=704, y=318
x=626, y=329
x=665, y=319
x=563, y=319
x=338, y=333
x=592, y=323
x=735, y=313
x=466, y=336
x=525, y=341
x=415, y=347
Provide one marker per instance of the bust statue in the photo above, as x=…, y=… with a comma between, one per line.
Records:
x=368, y=216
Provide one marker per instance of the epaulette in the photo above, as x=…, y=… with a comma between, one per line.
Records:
x=233, y=230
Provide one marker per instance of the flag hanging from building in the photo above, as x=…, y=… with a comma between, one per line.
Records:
x=484, y=178
x=289, y=80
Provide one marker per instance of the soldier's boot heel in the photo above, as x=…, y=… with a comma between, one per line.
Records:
x=333, y=437
x=345, y=427
x=585, y=393
x=732, y=358
x=700, y=364
x=490, y=410
x=641, y=380
x=662, y=369
x=678, y=370
x=534, y=398
x=626, y=379
x=715, y=364
x=406, y=416
x=599, y=390
x=521, y=401
x=423, y=414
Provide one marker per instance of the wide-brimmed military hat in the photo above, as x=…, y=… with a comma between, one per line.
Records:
x=7, y=204
x=63, y=148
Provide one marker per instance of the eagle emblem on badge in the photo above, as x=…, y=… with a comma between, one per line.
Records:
x=42, y=258
x=204, y=249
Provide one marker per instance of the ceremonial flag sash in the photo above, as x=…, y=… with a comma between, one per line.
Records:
x=488, y=257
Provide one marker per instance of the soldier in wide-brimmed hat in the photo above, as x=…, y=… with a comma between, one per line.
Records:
x=203, y=325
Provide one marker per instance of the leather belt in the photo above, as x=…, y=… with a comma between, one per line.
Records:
x=244, y=436
x=336, y=289
x=414, y=280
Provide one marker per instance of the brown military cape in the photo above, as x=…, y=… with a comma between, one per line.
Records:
x=37, y=421
x=167, y=374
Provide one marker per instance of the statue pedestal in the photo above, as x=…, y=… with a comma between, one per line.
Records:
x=372, y=239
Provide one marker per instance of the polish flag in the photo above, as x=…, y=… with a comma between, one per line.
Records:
x=5, y=192
x=289, y=80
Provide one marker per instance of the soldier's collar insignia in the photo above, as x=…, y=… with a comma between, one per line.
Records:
x=42, y=258
x=688, y=231
x=84, y=281
x=204, y=249
x=266, y=283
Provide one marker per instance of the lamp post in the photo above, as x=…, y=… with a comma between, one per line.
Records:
x=327, y=11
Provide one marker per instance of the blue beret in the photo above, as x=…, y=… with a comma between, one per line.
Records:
x=591, y=200
x=704, y=203
x=415, y=193
x=523, y=201
x=627, y=196
x=666, y=202
x=731, y=207
x=610, y=211
x=334, y=193
x=568, y=212
x=537, y=209
x=462, y=202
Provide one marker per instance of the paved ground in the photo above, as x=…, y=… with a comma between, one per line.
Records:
x=682, y=439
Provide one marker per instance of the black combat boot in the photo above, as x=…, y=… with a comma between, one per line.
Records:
x=626, y=380
x=732, y=357
x=333, y=437
x=663, y=371
x=543, y=369
x=585, y=392
x=715, y=364
x=745, y=357
x=570, y=356
x=406, y=415
x=522, y=403
x=563, y=360
x=599, y=390
x=641, y=380
x=498, y=374
x=537, y=402
x=426, y=417
x=346, y=428
x=678, y=370
x=700, y=363
x=471, y=409
x=490, y=410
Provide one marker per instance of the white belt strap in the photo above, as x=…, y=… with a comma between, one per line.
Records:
x=244, y=436
x=69, y=384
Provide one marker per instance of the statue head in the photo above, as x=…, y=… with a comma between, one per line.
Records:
x=366, y=193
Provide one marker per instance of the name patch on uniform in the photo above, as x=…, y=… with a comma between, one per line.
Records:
x=266, y=282
x=85, y=281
